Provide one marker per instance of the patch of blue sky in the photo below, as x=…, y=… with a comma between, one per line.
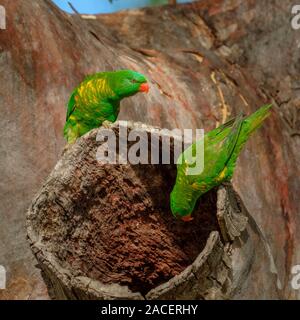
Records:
x=106, y=6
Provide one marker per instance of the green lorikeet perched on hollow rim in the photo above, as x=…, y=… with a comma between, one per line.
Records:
x=221, y=150
x=97, y=99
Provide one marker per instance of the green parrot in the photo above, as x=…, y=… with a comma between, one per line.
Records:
x=221, y=150
x=97, y=100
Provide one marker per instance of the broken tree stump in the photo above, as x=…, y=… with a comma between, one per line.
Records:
x=105, y=231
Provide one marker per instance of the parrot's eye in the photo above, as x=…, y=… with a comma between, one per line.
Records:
x=133, y=81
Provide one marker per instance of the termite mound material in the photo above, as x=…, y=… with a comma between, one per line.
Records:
x=105, y=231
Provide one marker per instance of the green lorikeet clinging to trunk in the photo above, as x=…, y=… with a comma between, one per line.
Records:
x=221, y=149
x=97, y=99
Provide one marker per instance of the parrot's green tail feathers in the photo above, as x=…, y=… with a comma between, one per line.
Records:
x=234, y=134
x=255, y=120
x=250, y=124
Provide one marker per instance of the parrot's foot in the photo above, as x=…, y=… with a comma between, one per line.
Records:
x=187, y=218
x=106, y=124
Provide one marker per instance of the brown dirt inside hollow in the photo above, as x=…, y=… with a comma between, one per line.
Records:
x=125, y=232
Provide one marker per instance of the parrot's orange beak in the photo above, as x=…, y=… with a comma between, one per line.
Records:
x=187, y=218
x=144, y=87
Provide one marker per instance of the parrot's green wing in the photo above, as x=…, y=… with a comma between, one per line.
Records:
x=217, y=152
x=221, y=128
x=210, y=135
x=71, y=105
x=72, y=101
x=232, y=138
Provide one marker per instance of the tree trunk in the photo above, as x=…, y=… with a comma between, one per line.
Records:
x=105, y=231
x=206, y=62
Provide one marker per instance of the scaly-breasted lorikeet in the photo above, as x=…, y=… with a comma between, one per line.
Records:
x=221, y=149
x=97, y=99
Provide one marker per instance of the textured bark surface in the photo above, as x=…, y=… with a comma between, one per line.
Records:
x=206, y=61
x=111, y=225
